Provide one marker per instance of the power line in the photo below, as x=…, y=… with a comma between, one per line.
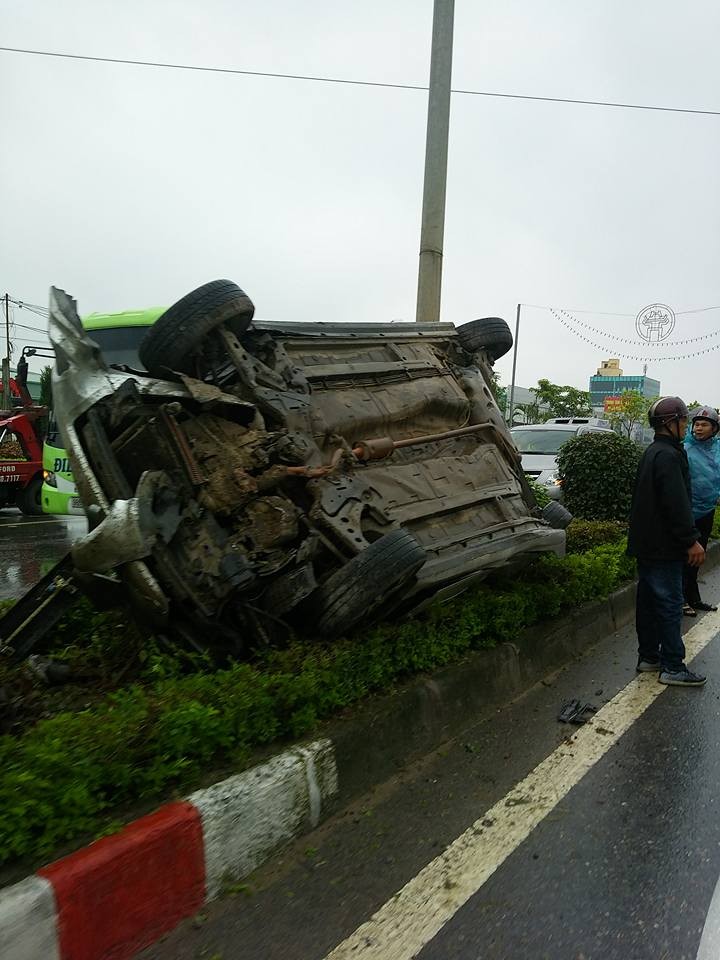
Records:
x=598, y=313
x=604, y=313
x=24, y=326
x=681, y=313
x=43, y=316
x=357, y=83
x=32, y=307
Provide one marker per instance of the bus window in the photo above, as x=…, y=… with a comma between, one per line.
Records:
x=119, y=337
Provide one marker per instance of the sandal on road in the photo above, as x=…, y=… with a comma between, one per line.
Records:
x=701, y=605
x=689, y=611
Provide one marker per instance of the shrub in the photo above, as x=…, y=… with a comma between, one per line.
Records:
x=583, y=535
x=541, y=494
x=64, y=775
x=715, y=532
x=598, y=475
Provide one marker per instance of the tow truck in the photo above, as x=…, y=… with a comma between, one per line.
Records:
x=21, y=436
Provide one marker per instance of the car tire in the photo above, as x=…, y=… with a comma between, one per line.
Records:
x=358, y=590
x=556, y=516
x=490, y=333
x=173, y=340
x=29, y=500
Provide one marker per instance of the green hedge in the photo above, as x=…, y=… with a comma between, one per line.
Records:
x=598, y=475
x=62, y=778
x=715, y=532
x=583, y=535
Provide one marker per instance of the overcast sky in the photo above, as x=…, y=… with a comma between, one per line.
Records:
x=129, y=186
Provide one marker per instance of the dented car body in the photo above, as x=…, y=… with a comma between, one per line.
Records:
x=259, y=474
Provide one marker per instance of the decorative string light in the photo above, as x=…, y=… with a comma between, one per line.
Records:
x=613, y=338
x=565, y=319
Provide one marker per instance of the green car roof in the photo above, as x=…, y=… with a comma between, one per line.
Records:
x=128, y=318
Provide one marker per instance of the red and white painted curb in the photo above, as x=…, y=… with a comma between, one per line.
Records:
x=117, y=896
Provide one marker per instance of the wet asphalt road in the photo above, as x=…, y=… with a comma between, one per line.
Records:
x=31, y=546
x=624, y=868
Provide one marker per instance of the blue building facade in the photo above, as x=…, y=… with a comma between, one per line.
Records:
x=613, y=386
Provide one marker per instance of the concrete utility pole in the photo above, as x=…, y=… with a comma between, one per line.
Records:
x=6, y=395
x=436, y=152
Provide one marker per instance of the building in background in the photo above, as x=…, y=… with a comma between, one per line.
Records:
x=525, y=399
x=610, y=381
x=607, y=387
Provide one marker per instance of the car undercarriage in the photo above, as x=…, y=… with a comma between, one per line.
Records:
x=257, y=478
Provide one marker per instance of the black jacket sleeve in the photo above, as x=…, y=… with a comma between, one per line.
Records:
x=673, y=501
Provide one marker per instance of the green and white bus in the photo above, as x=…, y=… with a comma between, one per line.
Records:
x=119, y=336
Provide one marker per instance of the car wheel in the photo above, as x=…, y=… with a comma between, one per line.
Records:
x=173, y=340
x=29, y=500
x=556, y=516
x=490, y=333
x=358, y=590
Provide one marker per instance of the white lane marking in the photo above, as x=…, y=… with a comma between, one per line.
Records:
x=410, y=919
x=709, y=948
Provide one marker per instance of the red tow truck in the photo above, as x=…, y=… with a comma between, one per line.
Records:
x=21, y=439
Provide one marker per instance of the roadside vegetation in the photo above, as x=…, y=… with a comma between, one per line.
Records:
x=597, y=472
x=151, y=722
x=139, y=722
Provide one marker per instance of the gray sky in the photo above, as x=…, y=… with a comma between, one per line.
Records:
x=129, y=186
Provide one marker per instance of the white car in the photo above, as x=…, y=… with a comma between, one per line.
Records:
x=539, y=445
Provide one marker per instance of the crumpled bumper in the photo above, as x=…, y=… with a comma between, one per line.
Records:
x=122, y=533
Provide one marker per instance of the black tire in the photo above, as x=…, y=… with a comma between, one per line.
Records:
x=556, y=516
x=173, y=340
x=490, y=333
x=29, y=500
x=359, y=589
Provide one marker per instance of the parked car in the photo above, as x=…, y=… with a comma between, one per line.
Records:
x=260, y=475
x=539, y=445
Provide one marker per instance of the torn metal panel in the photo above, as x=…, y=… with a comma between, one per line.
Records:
x=289, y=453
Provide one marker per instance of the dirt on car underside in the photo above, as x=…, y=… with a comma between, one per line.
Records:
x=274, y=476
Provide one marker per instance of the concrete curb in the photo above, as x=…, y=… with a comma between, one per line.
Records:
x=120, y=894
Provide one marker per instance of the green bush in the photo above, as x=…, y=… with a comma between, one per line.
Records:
x=715, y=532
x=540, y=492
x=63, y=776
x=583, y=535
x=598, y=475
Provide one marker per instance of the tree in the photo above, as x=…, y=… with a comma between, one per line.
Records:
x=46, y=387
x=530, y=411
x=631, y=410
x=562, y=401
x=499, y=392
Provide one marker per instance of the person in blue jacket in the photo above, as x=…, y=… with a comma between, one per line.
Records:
x=702, y=445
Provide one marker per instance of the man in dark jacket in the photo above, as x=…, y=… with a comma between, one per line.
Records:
x=663, y=537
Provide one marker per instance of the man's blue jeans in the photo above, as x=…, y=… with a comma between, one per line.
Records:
x=658, y=613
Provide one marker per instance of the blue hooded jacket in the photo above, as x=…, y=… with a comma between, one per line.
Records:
x=704, y=459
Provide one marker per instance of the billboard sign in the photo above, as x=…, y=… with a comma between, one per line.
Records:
x=612, y=404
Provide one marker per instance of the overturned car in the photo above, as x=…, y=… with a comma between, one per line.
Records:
x=254, y=476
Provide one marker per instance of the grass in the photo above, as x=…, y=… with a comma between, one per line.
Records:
x=64, y=776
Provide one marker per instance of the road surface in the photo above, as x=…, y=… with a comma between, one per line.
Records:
x=513, y=843
x=30, y=546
